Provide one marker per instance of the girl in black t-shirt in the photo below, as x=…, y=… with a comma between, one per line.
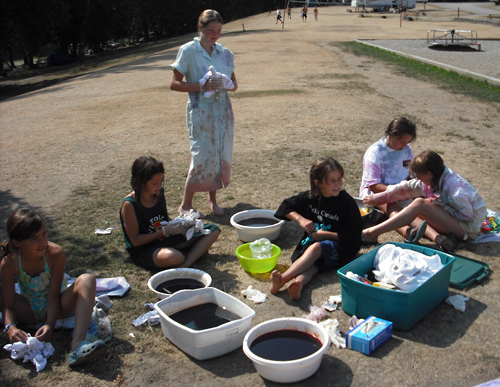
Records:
x=332, y=227
x=149, y=243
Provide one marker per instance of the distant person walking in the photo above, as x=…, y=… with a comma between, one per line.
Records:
x=289, y=12
x=303, y=12
x=278, y=16
x=315, y=13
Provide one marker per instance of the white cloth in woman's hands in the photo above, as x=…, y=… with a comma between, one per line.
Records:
x=227, y=83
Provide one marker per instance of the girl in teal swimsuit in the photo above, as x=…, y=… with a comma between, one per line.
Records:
x=38, y=266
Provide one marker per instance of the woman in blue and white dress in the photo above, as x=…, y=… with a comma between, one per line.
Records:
x=210, y=120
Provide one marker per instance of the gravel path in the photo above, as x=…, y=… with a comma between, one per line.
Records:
x=484, y=62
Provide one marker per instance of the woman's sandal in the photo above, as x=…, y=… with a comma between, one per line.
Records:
x=416, y=233
x=86, y=351
x=447, y=243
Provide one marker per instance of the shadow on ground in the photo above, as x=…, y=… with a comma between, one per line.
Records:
x=15, y=83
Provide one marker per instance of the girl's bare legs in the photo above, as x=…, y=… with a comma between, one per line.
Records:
x=212, y=203
x=174, y=257
x=78, y=300
x=302, y=270
x=22, y=310
x=199, y=248
x=187, y=202
x=439, y=219
x=392, y=209
x=295, y=287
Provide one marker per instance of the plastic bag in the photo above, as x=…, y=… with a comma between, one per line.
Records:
x=261, y=248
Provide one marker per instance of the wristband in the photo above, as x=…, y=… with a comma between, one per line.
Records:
x=6, y=330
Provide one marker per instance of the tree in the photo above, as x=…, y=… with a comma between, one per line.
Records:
x=30, y=24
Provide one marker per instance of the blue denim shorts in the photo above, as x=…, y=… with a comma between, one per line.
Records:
x=331, y=258
x=330, y=255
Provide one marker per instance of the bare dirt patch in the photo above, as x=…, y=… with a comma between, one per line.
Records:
x=300, y=97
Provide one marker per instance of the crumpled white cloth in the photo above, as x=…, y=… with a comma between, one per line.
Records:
x=332, y=303
x=33, y=350
x=255, y=295
x=191, y=223
x=405, y=268
x=152, y=316
x=457, y=301
x=103, y=302
x=316, y=313
x=213, y=74
x=354, y=321
x=333, y=329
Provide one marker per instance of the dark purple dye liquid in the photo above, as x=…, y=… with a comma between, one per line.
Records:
x=285, y=345
x=204, y=316
x=257, y=222
x=174, y=285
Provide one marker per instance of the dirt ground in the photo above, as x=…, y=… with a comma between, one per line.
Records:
x=300, y=97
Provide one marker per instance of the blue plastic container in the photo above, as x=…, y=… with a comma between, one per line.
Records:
x=404, y=309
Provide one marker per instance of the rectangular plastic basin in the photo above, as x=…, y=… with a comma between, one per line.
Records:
x=207, y=343
x=404, y=309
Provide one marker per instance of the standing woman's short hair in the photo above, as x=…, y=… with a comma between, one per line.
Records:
x=208, y=16
x=320, y=170
x=428, y=161
x=22, y=224
x=143, y=170
x=401, y=126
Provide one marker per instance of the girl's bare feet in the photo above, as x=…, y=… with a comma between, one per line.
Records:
x=294, y=288
x=275, y=282
x=216, y=209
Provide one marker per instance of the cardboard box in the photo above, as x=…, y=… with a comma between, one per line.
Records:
x=367, y=342
x=404, y=309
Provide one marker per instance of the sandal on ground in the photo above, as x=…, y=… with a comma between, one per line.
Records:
x=86, y=351
x=416, y=233
x=447, y=243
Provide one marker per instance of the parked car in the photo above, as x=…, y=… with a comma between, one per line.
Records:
x=152, y=36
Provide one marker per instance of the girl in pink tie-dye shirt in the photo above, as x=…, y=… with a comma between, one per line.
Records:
x=444, y=200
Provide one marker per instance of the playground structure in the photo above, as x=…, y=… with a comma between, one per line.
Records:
x=453, y=38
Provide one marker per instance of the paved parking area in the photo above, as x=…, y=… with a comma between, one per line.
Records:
x=485, y=63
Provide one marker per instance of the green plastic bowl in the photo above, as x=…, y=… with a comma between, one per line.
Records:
x=253, y=265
